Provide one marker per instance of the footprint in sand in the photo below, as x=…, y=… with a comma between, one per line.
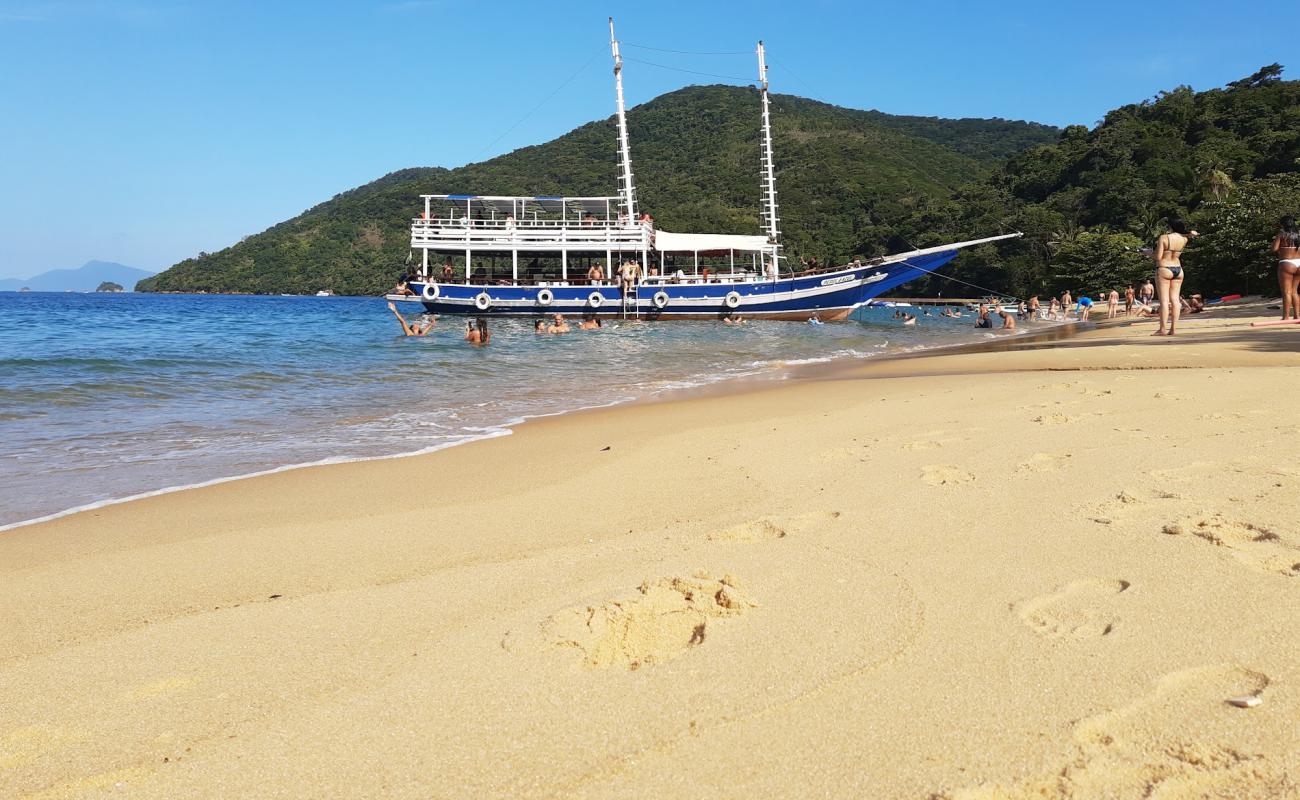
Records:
x=1081, y=610
x=659, y=622
x=1044, y=462
x=923, y=444
x=777, y=527
x=1056, y=419
x=1253, y=545
x=945, y=475
x=1181, y=740
x=24, y=745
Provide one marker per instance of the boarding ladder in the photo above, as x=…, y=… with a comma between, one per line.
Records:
x=632, y=298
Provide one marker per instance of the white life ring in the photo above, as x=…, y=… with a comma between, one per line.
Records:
x=545, y=297
x=660, y=299
x=595, y=299
x=482, y=302
x=732, y=300
x=430, y=291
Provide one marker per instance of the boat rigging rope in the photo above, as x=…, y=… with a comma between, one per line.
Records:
x=991, y=292
x=535, y=108
x=745, y=81
x=690, y=52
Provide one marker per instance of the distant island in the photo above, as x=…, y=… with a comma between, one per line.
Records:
x=109, y=286
x=89, y=277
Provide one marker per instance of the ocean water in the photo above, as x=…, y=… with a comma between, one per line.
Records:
x=109, y=396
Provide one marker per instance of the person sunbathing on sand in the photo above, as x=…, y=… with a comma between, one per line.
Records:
x=416, y=328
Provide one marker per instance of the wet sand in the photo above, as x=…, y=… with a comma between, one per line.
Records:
x=1038, y=572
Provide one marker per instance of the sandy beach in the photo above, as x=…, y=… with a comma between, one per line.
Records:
x=1038, y=572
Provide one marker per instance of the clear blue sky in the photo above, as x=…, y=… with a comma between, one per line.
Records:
x=144, y=132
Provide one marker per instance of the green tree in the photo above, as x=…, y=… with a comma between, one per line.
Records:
x=1097, y=260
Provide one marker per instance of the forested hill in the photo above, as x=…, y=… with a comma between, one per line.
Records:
x=1227, y=160
x=849, y=182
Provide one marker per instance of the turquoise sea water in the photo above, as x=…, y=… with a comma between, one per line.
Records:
x=108, y=396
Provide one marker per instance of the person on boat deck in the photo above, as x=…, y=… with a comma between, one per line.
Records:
x=480, y=275
x=983, y=320
x=476, y=332
x=595, y=275
x=418, y=328
x=1008, y=321
x=589, y=324
x=447, y=270
x=558, y=326
x=646, y=219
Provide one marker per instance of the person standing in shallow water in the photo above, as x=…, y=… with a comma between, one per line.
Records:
x=1169, y=274
x=1287, y=246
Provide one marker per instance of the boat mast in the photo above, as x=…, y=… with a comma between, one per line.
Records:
x=769, y=167
x=626, y=190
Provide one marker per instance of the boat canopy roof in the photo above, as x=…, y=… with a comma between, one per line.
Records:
x=532, y=205
x=702, y=243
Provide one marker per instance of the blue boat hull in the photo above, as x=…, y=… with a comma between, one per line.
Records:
x=829, y=295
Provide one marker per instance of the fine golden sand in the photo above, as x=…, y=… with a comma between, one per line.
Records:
x=1042, y=572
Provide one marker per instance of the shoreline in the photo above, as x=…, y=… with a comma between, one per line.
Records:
x=1033, y=573
x=725, y=386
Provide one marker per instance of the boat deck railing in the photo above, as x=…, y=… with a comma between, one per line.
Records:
x=523, y=234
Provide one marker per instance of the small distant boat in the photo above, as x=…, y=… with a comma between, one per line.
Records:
x=325, y=293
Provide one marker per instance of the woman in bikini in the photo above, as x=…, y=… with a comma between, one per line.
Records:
x=1169, y=274
x=1287, y=246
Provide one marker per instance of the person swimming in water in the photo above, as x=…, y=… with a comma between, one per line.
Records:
x=1287, y=246
x=414, y=328
x=558, y=326
x=539, y=326
x=983, y=320
x=476, y=332
x=1169, y=274
x=592, y=324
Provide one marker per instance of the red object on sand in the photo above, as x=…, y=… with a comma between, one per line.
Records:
x=1229, y=297
x=1275, y=322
